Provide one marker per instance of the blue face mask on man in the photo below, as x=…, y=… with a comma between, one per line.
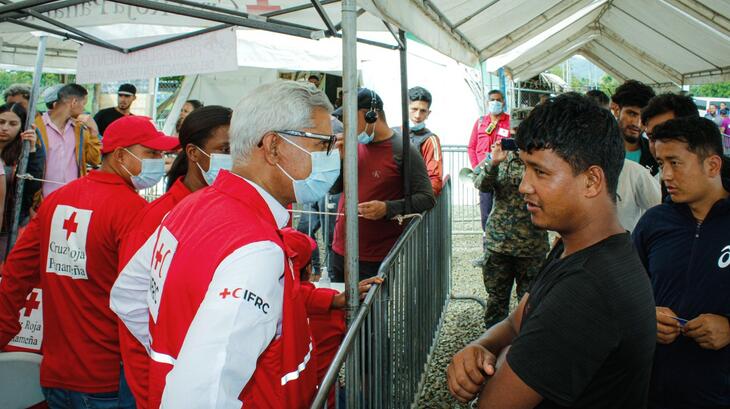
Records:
x=325, y=171
x=418, y=127
x=364, y=137
x=495, y=107
x=218, y=161
x=153, y=170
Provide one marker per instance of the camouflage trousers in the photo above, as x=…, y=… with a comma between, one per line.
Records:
x=500, y=271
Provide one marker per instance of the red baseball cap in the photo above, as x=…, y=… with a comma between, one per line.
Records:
x=132, y=130
x=301, y=244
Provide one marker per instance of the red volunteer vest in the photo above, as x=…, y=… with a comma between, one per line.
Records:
x=203, y=230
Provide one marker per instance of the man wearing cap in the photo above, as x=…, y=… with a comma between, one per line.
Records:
x=380, y=189
x=70, y=251
x=126, y=94
x=69, y=141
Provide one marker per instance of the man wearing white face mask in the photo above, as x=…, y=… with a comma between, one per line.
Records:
x=206, y=150
x=227, y=325
x=71, y=249
x=488, y=129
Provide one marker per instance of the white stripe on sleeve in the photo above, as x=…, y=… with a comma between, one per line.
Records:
x=234, y=324
x=128, y=297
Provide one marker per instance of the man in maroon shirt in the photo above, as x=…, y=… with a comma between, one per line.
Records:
x=70, y=250
x=380, y=188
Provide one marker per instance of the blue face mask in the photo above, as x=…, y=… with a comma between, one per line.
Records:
x=151, y=174
x=418, y=127
x=325, y=171
x=495, y=107
x=365, y=138
x=218, y=161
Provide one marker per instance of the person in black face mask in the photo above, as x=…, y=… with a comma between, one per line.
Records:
x=628, y=101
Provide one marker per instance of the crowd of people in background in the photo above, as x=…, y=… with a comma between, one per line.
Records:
x=610, y=217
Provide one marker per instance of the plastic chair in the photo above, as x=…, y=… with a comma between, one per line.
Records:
x=20, y=385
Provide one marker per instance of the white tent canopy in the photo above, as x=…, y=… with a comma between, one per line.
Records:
x=659, y=42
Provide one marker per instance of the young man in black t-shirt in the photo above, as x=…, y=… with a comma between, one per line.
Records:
x=584, y=335
x=126, y=94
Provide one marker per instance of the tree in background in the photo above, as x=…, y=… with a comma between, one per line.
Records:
x=718, y=90
x=608, y=84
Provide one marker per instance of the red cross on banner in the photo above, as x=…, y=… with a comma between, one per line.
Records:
x=261, y=6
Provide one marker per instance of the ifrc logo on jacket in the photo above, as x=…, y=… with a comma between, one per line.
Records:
x=163, y=252
x=67, y=243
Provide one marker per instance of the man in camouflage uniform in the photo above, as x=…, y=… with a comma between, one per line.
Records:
x=515, y=248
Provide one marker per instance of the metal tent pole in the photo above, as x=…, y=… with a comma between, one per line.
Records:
x=23, y=165
x=406, y=120
x=352, y=270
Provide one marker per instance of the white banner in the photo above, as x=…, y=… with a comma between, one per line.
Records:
x=206, y=53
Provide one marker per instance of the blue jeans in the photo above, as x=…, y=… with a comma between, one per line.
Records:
x=66, y=399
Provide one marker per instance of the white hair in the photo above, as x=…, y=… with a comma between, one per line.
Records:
x=278, y=106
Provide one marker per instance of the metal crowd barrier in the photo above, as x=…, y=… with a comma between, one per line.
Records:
x=395, y=330
x=465, y=198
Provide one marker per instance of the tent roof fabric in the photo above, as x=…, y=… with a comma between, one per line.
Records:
x=659, y=42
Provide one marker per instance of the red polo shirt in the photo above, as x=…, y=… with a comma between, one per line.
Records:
x=71, y=251
x=134, y=354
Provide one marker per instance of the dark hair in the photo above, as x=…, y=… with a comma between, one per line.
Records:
x=632, y=93
x=71, y=91
x=579, y=131
x=599, y=97
x=701, y=135
x=11, y=153
x=196, y=129
x=495, y=91
x=195, y=103
x=313, y=76
x=680, y=105
x=420, y=94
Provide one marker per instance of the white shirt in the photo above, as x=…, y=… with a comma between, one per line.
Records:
x=638, y=191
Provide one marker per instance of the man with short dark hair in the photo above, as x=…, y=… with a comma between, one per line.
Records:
x=685, y=247
x=584, y=335
x=630, y=98
x=18, y=94
x=660, y=109
x=314, y=79
x=713, y=115
x=68, y=142
x=487, y=130
x=380, y=189
x=600, y=98
x=419, y=109
x=126, y=95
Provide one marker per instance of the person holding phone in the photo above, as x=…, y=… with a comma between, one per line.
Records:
x=515, y=248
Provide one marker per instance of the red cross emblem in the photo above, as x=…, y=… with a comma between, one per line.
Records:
x=225, y=293
x=31, y=304
x=160, y=258
x=70, y=225
x=262, y=6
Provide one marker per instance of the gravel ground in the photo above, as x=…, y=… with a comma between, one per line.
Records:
x=462, y=324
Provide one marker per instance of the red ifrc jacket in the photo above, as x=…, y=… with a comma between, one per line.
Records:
x=70, y=250
x=125, y=292
x=227, y=321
